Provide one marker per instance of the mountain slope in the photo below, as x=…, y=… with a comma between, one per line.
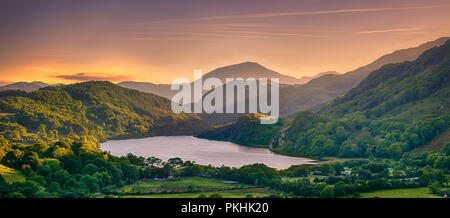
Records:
x=90, y=111
x=244, y=70
x=397, y=108
x=246, y=131
x=322, y=90
x=24, y=86
x=162, y=90
x=249, y=69
x=306, y=79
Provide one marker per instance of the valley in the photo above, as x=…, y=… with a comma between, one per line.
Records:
x=378, y=131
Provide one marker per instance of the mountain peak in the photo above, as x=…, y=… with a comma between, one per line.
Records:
x=247, y=70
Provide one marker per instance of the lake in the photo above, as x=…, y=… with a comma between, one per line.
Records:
x=202, y=151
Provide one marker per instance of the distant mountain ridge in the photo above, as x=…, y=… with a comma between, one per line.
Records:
x=306, y=79
x=397, y=108
x=322, y=90
x=26, y=86
x=243, y=70
x=250, y=70
x=162, y=90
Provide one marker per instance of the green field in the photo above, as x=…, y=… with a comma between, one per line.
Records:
x=187, y=184
x=241, y=193
x=11, y=175
x=311, y=178
x=338, y=159
x=400, y=193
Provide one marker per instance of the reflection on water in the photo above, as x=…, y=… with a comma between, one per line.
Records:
x=202, y=151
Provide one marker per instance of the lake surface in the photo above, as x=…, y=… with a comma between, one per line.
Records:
x=202, y=151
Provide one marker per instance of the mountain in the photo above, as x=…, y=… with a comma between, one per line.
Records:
x=322, y=90
x=244, y=70
x=162, y=90
x=2, y=83
x=247, y=70
x=395, y=109
x=89, y=112
x=306, y=79
x=24, y=86
x=325, y=87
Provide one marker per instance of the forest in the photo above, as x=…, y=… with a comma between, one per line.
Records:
x=90, y=112
x=71, y=169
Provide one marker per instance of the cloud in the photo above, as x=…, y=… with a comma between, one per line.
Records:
x=224, y=33
x=93, y=76
x=176, y=36
x=385, y=30
x=298, y=13
x=277, y=33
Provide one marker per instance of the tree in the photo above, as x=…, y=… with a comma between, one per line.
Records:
x=153, y=162
x=89, y=169
x=215, y=195
x=395, y=150
x=446, y=148
x=339, y=189
x=327, y=192
x=90, y=182
x=174, y=162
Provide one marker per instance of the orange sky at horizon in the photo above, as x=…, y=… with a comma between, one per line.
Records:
x=157, y=42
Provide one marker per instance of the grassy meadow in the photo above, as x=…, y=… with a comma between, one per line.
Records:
x=11, y=175
x=422, y=192
x=185, y=187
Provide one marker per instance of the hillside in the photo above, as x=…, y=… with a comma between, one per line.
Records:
x=397, y=108
x=322, y=90
x=306, y=79
x=246, y=131
x=90, y=112
x=249, y=69
x=162, y=90
x=325, y=87
x=24, y=86
x=244, y=70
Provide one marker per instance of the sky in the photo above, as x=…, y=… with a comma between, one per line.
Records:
x=156, y=41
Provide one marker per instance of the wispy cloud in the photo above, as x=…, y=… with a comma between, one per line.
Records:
x=412, y=33
x=299, y=13
x=386, y=30
x=277, y=33
x=182, y=35
x=215, y=35
x=93, y=76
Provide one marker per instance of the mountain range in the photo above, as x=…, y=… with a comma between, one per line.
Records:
x=26, y=86
x=296, y=95
x=322, y=90
x=397, y=108
x=244, y=70
x=162, y=90
x=306, y=79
